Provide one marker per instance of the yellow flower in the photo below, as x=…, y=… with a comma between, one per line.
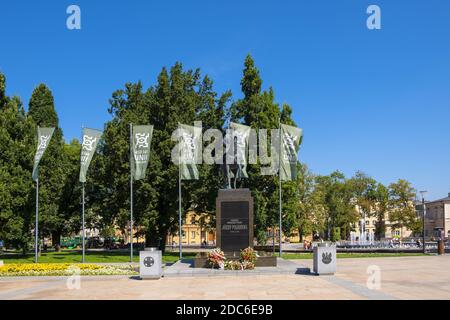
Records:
x=60, y=269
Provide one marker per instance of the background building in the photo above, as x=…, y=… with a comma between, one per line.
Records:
x=391, y=231
x=437, y=218
x=196, y=229
x=370, y=224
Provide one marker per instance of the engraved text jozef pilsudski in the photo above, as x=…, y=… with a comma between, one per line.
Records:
x=234, y=225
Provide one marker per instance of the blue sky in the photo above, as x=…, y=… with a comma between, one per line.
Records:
x=376, y=101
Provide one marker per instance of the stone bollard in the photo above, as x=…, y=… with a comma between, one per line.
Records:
x=324, y=258
x=150, y=263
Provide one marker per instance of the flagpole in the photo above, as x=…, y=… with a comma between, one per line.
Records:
x=36, y=239
x=43, y=141
x=279, y=183
x=82, y=206
x=179, y=209
x=83, y=226
x=131, y=193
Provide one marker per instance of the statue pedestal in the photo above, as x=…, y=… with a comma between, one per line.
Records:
x=234, y=228
x=234, y=220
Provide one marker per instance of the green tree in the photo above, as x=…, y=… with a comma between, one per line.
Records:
x=337, y=198
x=52, y=176
x=69, y=201
x=178, y=97
x=258, y=109
x=402, y=209
x=364, y=191
x=16, y=158
x=381, y=210
x=309, y=209
x=3, y=98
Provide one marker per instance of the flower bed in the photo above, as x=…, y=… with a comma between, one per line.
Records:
x=62, y=269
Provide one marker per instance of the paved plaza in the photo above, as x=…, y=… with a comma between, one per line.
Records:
x=421, y=277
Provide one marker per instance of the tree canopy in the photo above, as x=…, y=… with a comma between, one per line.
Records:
x=326, y=206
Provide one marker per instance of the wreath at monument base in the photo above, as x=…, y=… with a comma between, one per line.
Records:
x=217, y=259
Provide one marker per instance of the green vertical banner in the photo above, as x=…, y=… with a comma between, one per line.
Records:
x=44, y=135
x=291, y=138
x=142, y=137
x=91, y=138
x=190, y=151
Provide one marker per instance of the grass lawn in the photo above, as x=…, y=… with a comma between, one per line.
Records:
x=74, y=256
x=351, y=255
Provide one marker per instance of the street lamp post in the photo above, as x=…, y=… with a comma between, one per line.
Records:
x=424, y=211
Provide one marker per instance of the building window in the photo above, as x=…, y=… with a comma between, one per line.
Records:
x=183, y=233
x=192, y=234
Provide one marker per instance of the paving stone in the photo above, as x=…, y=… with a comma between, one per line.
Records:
x=422, y=277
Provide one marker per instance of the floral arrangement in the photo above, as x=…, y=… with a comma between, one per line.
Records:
x=217, y=258
x=248, y=265
x=62, y=269
x=248, y=255
x=233, y=265
x=247, y=260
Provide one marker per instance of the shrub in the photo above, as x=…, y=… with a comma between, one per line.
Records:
x=336, y=234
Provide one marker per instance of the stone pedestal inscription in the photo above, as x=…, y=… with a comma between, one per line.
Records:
x=234, y=220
